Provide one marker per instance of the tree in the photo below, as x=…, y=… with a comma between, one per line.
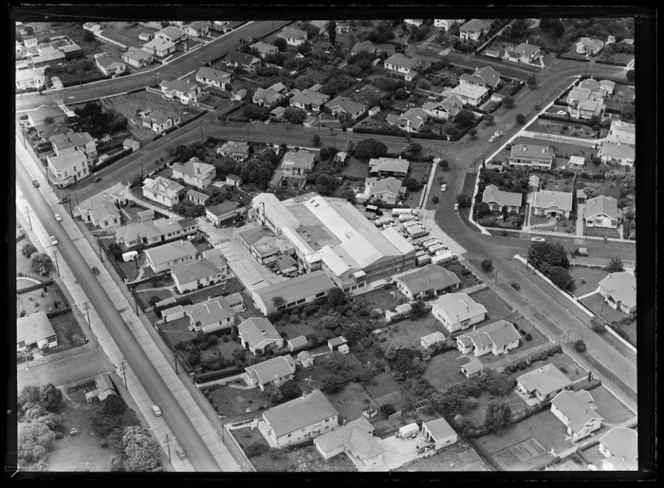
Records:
x=630, y=75
x=331, y=383
x=498, y=415
x=88, y=36
x=115, y=250
x=482, y=209
x=412, y=184
x=41, y=263
x=387, y=409
x=189, y=209
x=472, y=133
x=561, y=278
x=315, y=140
x=598, y=325
x=489, y=120
x=444, y=164
x=556, y=255
x=464, y=200
x=508, y=101
x=400, y=94
x=290, y=389
x=50, y=398
x=141, y=451
x=418, y=308
x=520, y=119
x=34, y=440
x=465, y=118
x=278, y=301
x=254, y=112
x=615, y=265
x=28, y=250
x=281, y=44
x=113, y=405
x=295, y=115
x=580, y=346
x=336, y=297
x=369, y=148
x=332, y=32
x=487, y=265
x=531, y=81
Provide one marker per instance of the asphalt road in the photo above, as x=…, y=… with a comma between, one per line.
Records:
x=199, y=455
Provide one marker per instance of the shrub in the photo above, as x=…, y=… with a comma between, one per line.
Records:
x=486, y=265
x=521, y=364
x=580, y=346
x=529, y=337
x=387, y=409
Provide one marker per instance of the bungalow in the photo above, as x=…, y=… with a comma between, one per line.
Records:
x=542, y=383
x=446, y=24
x=309, y=100
x=532, y=156
x=589, y=46
x=103, y=389
x=35, y=330
x=499, y=200
x=602, y=212
x=212, y=269
x=587, y=109
x=214, y=77
x=109, y=65
x=102, y=210
x=445, y=110
x=524, y=53
x=45, y=115
x=294, y=291
x=159, y=121
x=198, y=28
x=68, y=168
x=439, y=432
x=607, y=86
x=211, y=315
x=264, y=49
x=622, y=133
x=164, y=257
x=185, y=91
x=238, y=151
x=576, y=162
x=356, y=441
x=386, y=190
x=197, y=197
x=195, y=173
x=486, y=77
x=619, y=291
x=151, y=232
x=68, y=143
x=293, y=37
x=137, y=57
x=268, y=97
x=31, y=78
x=412, y=120
x=396, y=167
x=363, y=47
x=403, y=65
x=470, y=94
x=556, y=204
x=159, y=47
x=457, y=311
x=162, y=190
x=172, y=34
x=274, y=371
x=577, y=410
x=242, y=61
x=296, y=163
x=47, y=54
x=257, y=334
x=583, y=93
x=617, y=153
x=620, y=447
x=430, y=339
x=346, y=107
x=498, y=338
x=300, y=419
x=427, y=282
x=474, y=29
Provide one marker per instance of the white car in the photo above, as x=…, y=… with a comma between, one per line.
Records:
x=156, y=410
x=492, y=138
x=537, y=239
x=58, y=217
x=456, y=207
x=54, y=241
x=498, y=134
x=443, y=187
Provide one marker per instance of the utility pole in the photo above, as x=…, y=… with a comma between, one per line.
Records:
x=27, y=213
x=168, y=447
x=55, y=255
x=124, y=373
x=87, y=312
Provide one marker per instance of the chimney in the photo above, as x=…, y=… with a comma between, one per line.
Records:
x=541, y=370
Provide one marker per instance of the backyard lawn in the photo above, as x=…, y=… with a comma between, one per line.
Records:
x=356, y=168
x=495, y=307
x=351, y=400
x=407, y=333
x=444, y=370
x=383, y=298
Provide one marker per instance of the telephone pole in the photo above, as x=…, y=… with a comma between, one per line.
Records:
x=27, y=214
x=55, y=255
x=124, y=374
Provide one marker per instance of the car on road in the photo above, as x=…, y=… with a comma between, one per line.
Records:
x=537, y=239
x=95, y=271
x=58, y=217
x=492, y=138
x=156, y=410
x=456, y=207
x=97, y=179
x=35, y=183
x=64, y=199
x=443, y=187
x=54, y=241
x=180, y=453
x=516, y=286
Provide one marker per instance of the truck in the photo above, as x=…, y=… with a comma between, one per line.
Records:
x=411, y=224
x=129, y=256
x=431, y=243
x=434, y=249
x=422, y=260
x=382, y=221
x=405, y=217
x=444, y=257
x=420, y=253
x=419, y=232
x=401, y=211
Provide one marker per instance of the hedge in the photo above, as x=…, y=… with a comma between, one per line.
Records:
x=59, y=311
x=111, y=159
x=217, y=375
x=36, y=286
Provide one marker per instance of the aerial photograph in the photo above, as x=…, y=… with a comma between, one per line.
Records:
x=361, y=244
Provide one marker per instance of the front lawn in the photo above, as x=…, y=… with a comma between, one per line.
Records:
x=597, y=304
x=496, y=308
x=586, y=279
x=601, y=232
x=68, y=331
x=609, y=407
x=466, y=278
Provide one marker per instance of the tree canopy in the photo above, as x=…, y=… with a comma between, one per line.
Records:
x=370, y=148
x=141, y=451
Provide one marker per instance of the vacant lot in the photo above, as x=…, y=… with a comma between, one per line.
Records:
x=495, y=307
x=383, y=298
x=457, y=457
x=591, y=276
x=408, y=333
x=126, y=32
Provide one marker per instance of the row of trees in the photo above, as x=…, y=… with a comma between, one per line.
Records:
x=552, y=260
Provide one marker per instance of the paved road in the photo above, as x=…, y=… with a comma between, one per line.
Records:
x=200, y=457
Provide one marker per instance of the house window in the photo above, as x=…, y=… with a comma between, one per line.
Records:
x=318, y=295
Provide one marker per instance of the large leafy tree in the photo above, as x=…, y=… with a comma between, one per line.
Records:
x=615, y=265
x=498, y=415
x=370, y=148
x=141, y=451
x=35, y=439
x=41, y=263
x=332, y=32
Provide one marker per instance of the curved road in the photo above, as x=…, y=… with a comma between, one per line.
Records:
x=199, y=455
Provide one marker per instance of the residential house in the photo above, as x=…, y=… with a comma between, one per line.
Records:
x=239, y=151
x=300, y=419
x=474, y=29
x=240, y=95
x=198, y=28
x=151, y=232
x=274, y=372
x=309, y=100
x=224, y=213
x=386, y=190
x=137, y=57
x=427, y=282
x=403, y=65
x=35, y=330
x=362, y=47
x=47, y=54
x=446, y=109
x=195, y=173
x=607, y=86
x=165, y=257
x=214, y=77
x=185, y=91
x=158, y=121
x=532, y=156
x=44, y=115
x=297, y=343
x=619, y=291
x=622, y=133
x=264, y=49
x=109, y=65
x=457, y=311
x=499, y=200
x=486, y=77
x=210, y=316
x=293, y=37
x=602, y=212
x=159, y=46
x=294, y=291
x=498, y=338
x=103, y=389
x=243, y=61
x=382, y=167
x=257, y=334
x=146, y=36
x=542, y=383
x=446, y=24
x=581, y=93
x=197, y=197
x=71, y=142
x=67, y=169
x=356, y=441
x=611, y=153
x=589, y=46
x=524, y=53
x=430, y=339
x=415, y=22
x=162, y=190
x=412, y=120
x=172, y=34
x=470, y=94
x=236, y=301
x=211, y=269
x=556, y=204
x=346, y=107
x=620, y=448
x=577, y=410
x=102, y=210
x=269, y=97
x=233, y=180
x=587, y=109
x=439, y=432
x=576, y=162
x=296, y=163
x=32, y=78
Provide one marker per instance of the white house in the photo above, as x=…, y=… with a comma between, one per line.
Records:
x=238, y=151
x=356, y=441
x=457, y=311
x=102, y=210
x=428, y=281
x=622, y=133
x=185, y=91
x=109, y=65
x=274, y=371
x=158, y=121
x=167, y=256
x=602, y=212
x=257, y=334
x=474, y=29
x=577, y=410
x=470, y=94
x=136, y=57
x=70, y=142
x=35, y=330
x=499, y=200
x=498, y=338
x=589, y=46
x=620, y=448
x=439, y=432
x=542, y=383
x=197, y=28
x=552, y=204
x=296, y=163
x=31, y=78
x=346, y=107
x=403, y=65
x=309, y=100
x=446, y=109
x=622, y=154
x=214, y=77
x=68, y=168
x=212, y=269
x=530, y=155
x=162, y=190
x=195, y=173
x=524, y=53
x=211, y=315
x=619, y=291
x=159, y=47
x=293, y=37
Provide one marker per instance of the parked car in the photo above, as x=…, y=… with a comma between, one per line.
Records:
x=95, y=271
x=54, y=241
x=456, y=207
x=64, y=199
x=156, y=410
x=516, y=286
x=180, y=453
x=492, y=138
x=58, y=217
x=497, y=134
x=443, y=187
x=537, y=239
x=97, y=179
x=582, y=251
x=35, y=183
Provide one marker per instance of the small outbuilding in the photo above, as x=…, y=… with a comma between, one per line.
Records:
x=440, y=433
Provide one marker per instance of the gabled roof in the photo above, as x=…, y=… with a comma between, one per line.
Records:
x=231, y=147
x=459, y=306
x=432, y=338
x=299, y=159
x=171, y=32
x=416, y=116
x=256, y=330
x=470, y=91
x=589, y=42
x=618, y=151
x=400, y=60
x=300, y=412
x=429, y=277
x=213, y=74
x=194, y=168
x=346, y=104
x=161, y=185
x=548, y=198
x=150, y=229
x=490, y=76
x=178, y=85
x=545, y=380
x=33, y=328
x=621, y=286
x=171, y=251
x=66, y=160
x=525, y=49
x=577, y=406
x=501, y=333
x=268, y=371
x=602, y=205
x=622, y=442
x=210, y=311
x=242, y=59
x=475, y=25
x=195, y=270
x=102, y=205
x=292, y=33
x=264, y=48
x=294, y=289
x=366, y=46
x=492, y=194
x=355, y=437
x=396, y=165
x=159, y=44
x=387, y=185
x=268, y=95
x=223, y=208
x=310, y=97
x=70, y=139
x=106, y=61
